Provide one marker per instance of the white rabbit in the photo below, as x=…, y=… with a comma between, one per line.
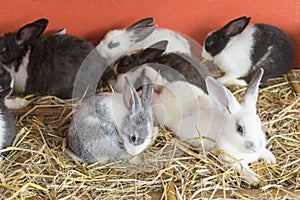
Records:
x=137, y=36
x=112, y=125
x=235, y=128
x=239, y=51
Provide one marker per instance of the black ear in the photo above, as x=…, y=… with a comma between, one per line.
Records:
x=236, y=26
x=141, y=29
x=153, y=52
x=160, y=45
x=142, y=23
x=31, y=31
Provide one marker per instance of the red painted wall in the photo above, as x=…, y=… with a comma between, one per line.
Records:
x=91, y=19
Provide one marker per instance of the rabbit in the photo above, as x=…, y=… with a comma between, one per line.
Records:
x=112, y=126
x=171, y=66
x=239, y=51
x=7, y=124
x=44, y=65
x=140, y=35
x=223, y=122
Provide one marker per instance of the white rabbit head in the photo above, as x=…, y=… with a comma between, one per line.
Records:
x=242, y=126
x=117, y=42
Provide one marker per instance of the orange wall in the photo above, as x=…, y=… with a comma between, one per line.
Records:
x=91, y=19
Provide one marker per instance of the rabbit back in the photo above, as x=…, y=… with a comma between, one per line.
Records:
x=273, y=50
x=54, y=63
x=177, y=43
x=93, y=135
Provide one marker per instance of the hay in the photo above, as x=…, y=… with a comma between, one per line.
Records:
x=37, y=168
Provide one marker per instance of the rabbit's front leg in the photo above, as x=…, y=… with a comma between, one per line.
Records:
x=243, y=169
x=268, y=156
x=228, y=79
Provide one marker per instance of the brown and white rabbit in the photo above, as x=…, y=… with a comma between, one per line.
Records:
x=112, y=126
x=233, y=127
x=239, y=50
x=45, y=65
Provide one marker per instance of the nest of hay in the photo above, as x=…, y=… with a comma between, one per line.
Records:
x=38, y=168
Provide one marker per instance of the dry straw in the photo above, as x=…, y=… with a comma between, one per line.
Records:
x=38, y=168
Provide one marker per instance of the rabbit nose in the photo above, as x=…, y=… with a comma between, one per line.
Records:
x=250, y=145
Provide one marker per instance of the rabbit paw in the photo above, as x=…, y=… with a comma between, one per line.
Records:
x=136, y=160
x=16, y=103
x=268, y=156
x=249, y=176
x=228, y=80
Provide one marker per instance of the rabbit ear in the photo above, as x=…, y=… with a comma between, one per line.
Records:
x=142, y=23
x=159, y=45
x=131, y=97
x=251, y=93
x=235, y=26
x=147, y=92
x=141, y=29
x=31, y=31
x=4, y=93
x=153, y=52
x=221, y=96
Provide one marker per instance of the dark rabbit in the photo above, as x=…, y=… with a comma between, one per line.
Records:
x=239, y=51
x=7, y=124
x=43, y=65
x=171, y=66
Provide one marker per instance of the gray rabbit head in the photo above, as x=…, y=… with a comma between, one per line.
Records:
x=137, y=127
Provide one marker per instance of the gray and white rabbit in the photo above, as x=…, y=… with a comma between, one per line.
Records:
x=171, y=66
x=138, y=36
x=44, y=65
x=7, y=124
x=112, y=126
x=223, y=122
x=239, y=51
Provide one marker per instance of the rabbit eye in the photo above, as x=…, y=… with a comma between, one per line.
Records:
x=240, y=129
x=112, y=44
x=133, y=138
x=209, y=43
x=2, y=50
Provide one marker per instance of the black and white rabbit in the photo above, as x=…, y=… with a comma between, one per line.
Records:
x=233, y=127
x=138, y=36
x=112, y=126
x=44, y=65
x=7, y=124
x=239, y=51
x=171, y=66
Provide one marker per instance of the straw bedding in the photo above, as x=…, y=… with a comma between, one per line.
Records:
x=38, y=168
